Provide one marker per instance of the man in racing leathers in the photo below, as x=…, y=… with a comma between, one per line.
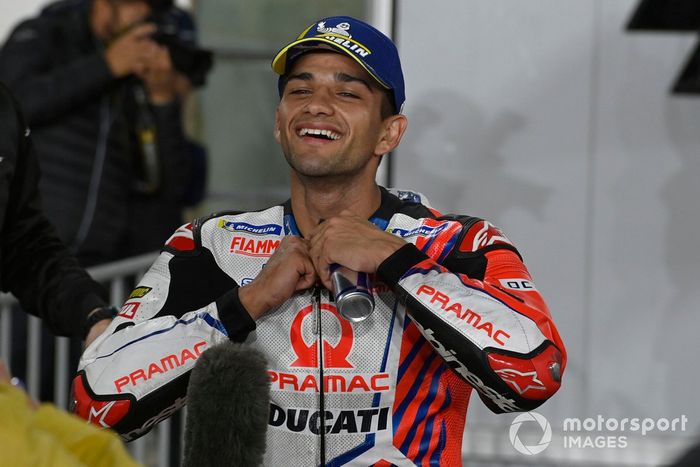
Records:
x=455, y=307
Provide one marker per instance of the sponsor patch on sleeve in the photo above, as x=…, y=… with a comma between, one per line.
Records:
x=182, y=239
x=139, y=292
x=519, y=285
x=481, y=235
x=129, y=310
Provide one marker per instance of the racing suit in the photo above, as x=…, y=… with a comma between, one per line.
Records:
x=456, y=310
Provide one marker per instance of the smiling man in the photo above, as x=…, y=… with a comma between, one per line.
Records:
x=455, y=308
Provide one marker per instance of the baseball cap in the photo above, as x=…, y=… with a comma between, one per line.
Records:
x=374, y=51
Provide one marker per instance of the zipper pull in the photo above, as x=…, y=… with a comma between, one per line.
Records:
x=316, y=303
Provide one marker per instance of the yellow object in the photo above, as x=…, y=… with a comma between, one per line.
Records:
x=49, y=437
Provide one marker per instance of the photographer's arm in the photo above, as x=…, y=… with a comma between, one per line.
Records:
x=166, y=88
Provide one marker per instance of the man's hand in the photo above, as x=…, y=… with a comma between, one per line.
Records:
x=289, y=270
x=95, y=331
x=129, y=53
x=163, y=82
x=351, y=241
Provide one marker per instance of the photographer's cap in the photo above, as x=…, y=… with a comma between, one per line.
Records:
x=369, y=47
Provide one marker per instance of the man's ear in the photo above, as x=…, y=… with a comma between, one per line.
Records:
x=393, y=130
x=276, y=130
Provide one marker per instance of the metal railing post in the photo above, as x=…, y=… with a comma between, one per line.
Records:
x=5, y=329
x=61, y=382
x=33, y=357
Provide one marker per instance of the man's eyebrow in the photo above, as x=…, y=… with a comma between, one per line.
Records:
x=304, y=76
x=341, y=77
x=346, y=78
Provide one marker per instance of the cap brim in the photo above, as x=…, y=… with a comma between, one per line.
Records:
x=280, y=61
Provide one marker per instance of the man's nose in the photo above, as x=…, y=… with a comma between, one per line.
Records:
x=320, y=102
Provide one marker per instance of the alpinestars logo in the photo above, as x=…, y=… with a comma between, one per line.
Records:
x=521, y=382
x=482, y=234
x=98, y=416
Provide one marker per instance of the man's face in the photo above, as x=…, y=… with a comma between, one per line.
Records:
x=112, y=17
x=331, y=94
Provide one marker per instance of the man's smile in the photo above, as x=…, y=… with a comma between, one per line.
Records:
x=318, y=133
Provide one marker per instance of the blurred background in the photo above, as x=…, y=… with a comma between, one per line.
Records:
x=573, y=126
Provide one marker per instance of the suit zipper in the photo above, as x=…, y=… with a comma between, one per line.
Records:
x=321, y=394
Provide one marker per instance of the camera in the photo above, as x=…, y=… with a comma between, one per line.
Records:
x=176, y=31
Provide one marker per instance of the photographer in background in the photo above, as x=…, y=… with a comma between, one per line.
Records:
x=35, y=266
x=101, y=90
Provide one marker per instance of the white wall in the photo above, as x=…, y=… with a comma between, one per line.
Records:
x=549, y=119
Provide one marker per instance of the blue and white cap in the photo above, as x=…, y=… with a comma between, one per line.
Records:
x=369, y=47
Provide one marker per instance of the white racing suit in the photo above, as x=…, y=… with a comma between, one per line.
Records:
x=456, y=310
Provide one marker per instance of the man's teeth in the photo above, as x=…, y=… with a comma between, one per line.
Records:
x=316, y=132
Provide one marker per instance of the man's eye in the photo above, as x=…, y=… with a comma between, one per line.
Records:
x=299, y=91
x=348, y=94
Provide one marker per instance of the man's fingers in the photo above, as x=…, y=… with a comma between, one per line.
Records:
x=141, y=31
x=307, y=280
x=4, y=373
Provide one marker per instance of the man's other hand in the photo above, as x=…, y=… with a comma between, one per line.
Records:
x=129, y=53
x=351, y=241
x=289, y=270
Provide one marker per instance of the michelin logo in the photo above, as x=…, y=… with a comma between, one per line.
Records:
x=340, y=35
x=267, y=229
x=423, y=230
x=341, y=29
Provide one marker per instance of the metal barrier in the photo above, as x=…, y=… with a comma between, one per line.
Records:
x=152, y=449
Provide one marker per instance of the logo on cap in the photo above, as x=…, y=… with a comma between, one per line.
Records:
x=373, y=50
x=341, y=36
x=341, y=29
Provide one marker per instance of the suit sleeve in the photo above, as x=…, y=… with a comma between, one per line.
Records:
x=136, y=373
x=474, y=301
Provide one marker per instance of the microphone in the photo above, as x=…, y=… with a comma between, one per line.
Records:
x=228, y=405
x=352, y=293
